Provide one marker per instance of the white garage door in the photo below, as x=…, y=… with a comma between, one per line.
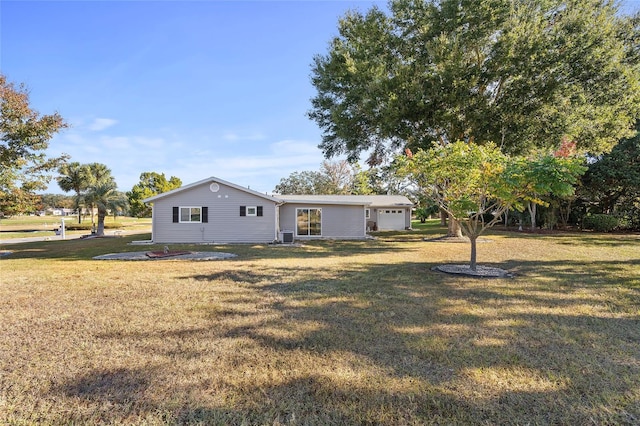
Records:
x=390, y=219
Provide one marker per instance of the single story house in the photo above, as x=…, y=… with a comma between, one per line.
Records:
x=214, y=210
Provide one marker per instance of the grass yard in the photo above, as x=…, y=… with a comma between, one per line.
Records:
x=359, y=332
x=44, y=226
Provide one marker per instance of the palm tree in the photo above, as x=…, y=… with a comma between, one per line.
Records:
x=74, y=177
x=99, y=174
x=104, y=195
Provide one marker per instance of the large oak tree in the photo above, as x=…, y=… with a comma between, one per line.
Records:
x=521, y=73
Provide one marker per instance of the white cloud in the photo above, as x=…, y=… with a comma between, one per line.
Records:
x=290, y=146
x=99, y=124
x=234, y=137
x=259, y=165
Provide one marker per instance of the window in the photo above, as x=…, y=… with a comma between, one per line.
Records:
x=309, y=221
x=190, y=214
x=367, y=213
x=251, y=210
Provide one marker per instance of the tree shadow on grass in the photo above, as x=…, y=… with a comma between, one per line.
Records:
x=78, y=250
x=445, y=349
x=576, y=274
x=576, y=238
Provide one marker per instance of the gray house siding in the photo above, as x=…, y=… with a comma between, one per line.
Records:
x=225, y=224
x=338, y=221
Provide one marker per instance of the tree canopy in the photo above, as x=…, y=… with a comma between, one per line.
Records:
x=476, y=184
x=523, y=74
x=24, y=138
x=151, y=183
x=612, y=182
x=75, y=177
x=332, y=178
x=102, y=193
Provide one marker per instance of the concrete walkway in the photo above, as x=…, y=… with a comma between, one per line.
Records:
x=68, y=236
x=35, y=239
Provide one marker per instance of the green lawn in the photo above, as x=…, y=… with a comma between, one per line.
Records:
x=44, y=226
x=353, y=332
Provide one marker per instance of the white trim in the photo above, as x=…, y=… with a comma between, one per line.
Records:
x=190, y=214
x=211, y=180
x=309, y=227
x=255, y=211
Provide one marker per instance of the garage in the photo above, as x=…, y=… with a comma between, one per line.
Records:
x=391, y=219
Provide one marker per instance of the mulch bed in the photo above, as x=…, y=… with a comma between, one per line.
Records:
x=480, y=272
x=170, y=253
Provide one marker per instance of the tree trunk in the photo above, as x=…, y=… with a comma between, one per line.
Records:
x=565, y=212
x=101, y=216
x=454, y=228
x=443, y=218
x=532, y=207
x=472, y=264
x=78, y=208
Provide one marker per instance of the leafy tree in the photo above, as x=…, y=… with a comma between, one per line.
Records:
x=612, y=182
x=476, y=184
x=300, y=183
x=544, y=176
x=523, y=74
x=332, y=178
x=151, y=183
x=24, y=137
x=75, y=177
x=52, y=201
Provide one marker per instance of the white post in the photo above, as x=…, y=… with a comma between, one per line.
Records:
x=62, y=228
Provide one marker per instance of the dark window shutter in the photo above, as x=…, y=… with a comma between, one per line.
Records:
x=259, y=210
x=176, y=214
x=243, y=210
x=205, y=214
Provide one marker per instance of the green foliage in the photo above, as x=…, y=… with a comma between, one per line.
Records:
x=75, y=177
x=476, y=184
x=600, y=222
x=52, y=201
x=24, y=138
x=612, y=182
x=543, y=175
x=461, y=177
x=151, y=183
x=103, y=194
x=333, y=178
x=422, y=214
x=522, y=73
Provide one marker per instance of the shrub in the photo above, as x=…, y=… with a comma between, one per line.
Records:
x=600, y=222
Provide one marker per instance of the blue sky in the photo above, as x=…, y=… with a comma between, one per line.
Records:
x=187, y=88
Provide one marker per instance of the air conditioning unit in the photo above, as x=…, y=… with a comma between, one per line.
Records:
x=286, y=237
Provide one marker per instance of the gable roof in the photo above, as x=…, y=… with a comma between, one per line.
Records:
x=367, y=200
x=358, y=200
x=210, y=180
